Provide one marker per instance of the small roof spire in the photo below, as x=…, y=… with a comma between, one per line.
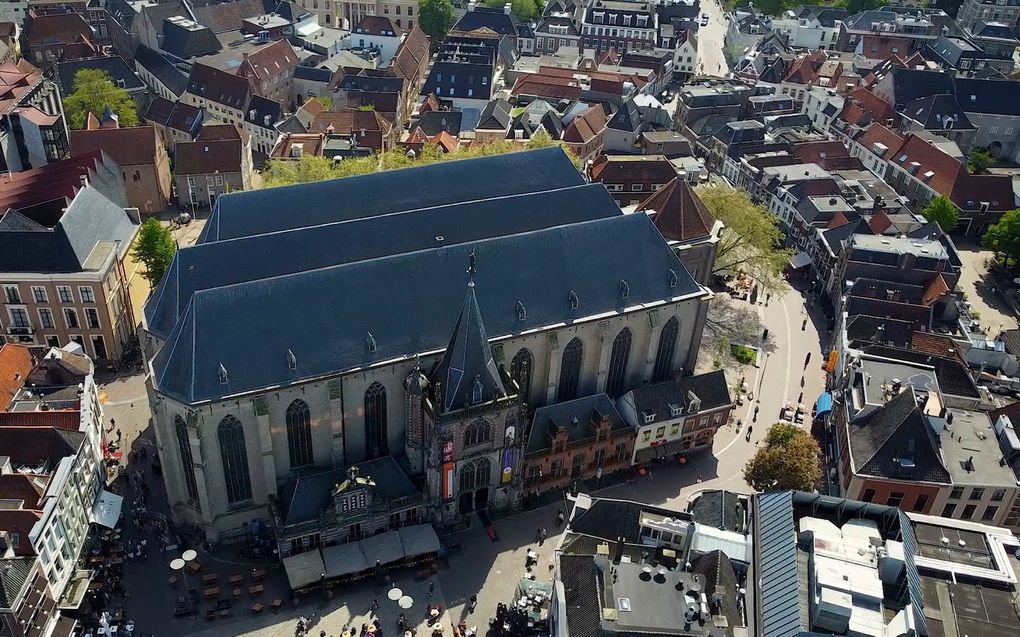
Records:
x=472, y=267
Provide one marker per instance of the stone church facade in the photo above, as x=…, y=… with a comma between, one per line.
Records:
x=458, y=427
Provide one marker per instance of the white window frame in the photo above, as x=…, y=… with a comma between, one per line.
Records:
x=45, y=295
x=77, y=319
x=82, y=293
x=17, y=291
x=92, y=341
x=42, y=321
x=99, y=320
x=70, y=293
x=10, y=316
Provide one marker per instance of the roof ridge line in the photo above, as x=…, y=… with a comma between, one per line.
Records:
x=613, y=219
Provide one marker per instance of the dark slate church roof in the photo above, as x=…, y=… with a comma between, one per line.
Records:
x=245, y=214
x=324, y=314
x=220, y=263
x=468, y=371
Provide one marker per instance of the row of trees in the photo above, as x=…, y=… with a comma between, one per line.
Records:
x=282, y=172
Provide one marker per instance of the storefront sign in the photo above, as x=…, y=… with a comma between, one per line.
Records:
x=448, y=451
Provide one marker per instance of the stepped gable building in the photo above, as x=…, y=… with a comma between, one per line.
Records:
x=274, y=355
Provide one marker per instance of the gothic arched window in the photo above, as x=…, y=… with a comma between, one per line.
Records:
x=476, y=433
x=483, y=471
x=299, y=434
x=520, y=371
x=187, y=463
x=467, y=478
x=570, y=370
x=234, y=456
x=375, y=422
x=664, y=354
x=618, y=363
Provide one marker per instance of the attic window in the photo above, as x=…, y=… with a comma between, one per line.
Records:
x=624, y=289
x=573, y=300
x=675, y=409
x=522, y=312
x=222, y=372
x=649, y=416
x=370, y=342
x=902, y=158
x=291, y=360
x=476, y=391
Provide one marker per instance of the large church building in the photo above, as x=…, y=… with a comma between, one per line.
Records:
x=419, y=314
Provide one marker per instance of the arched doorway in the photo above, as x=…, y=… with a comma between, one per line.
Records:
x=474, y=486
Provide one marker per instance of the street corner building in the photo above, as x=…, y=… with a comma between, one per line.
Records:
x=417, y=315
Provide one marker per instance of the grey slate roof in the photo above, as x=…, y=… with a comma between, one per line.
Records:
x=329, y=335
x=874, y=329
x=880, y=438
x=721, y=510
x=911, y=84
x=248, y=213
x=468, y=371
x=432, y=122
x=154, y=62
x=576, y=416
x=657, y=398
x=304, y=498
x=495, y=115
x=187, y=43
x=217, y=264
x=937, y=112
x=776, y=560
x=259, y=109
x=112, y=65
x=494, y=19
x=614, y=519
x=953, y=377
x=627, y=118
x=581, y=583
x=12, y=578
x=89, y=219
x=720, y=584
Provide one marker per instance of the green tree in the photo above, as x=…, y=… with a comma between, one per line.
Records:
x=281, y=172
x=941, y=211
x=979, y=161
x=92, y=92
x=1004, y=238
x=751, y=239
x=435, y=17
x=154, y=248
x=788, y=460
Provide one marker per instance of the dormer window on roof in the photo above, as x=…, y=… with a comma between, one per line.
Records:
x=675, y=409
x=574, y=300
x=370, y=343
x=222, y=372
x=672, y=278
x=649, y=416
x=522, y=312
x=624, y=289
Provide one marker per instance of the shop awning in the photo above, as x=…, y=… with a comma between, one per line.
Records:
x=383, y=548
x=420, y=539
x=344, y=559
x=800, y=260
x=303, y=569
x=106, y=510
x=824, y=404
x=659, y=451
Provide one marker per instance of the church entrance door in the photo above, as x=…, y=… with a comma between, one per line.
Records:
x=481, y=498
x=466, y=502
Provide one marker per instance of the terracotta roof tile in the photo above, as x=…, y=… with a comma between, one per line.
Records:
x=880, y=222
x=935, y=289
x=269, y=61
x=134, y=146
x=15, y=366
x=879, y=134
x=66, y=419
x=586, y=126
x=680, y=215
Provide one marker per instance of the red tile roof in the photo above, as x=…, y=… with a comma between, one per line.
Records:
x=56, y=29
x=586, y=126
x=447, y=142
x=970, y=191
x=879, y=134
x=937, y=169
x=208, y=157
x=880, y=222
x=817, y=152
x=881, y=47
x=134, y=146
x=547, y=86
x=19, y=486
x=15, y=366
x=66, y=419
x=269, y=61
x=879, y=109
x=614, y=169
x=679, y=213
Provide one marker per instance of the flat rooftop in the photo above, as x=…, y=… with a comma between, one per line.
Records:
x=972, y=453
x=895, y=245
x=655, y=598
